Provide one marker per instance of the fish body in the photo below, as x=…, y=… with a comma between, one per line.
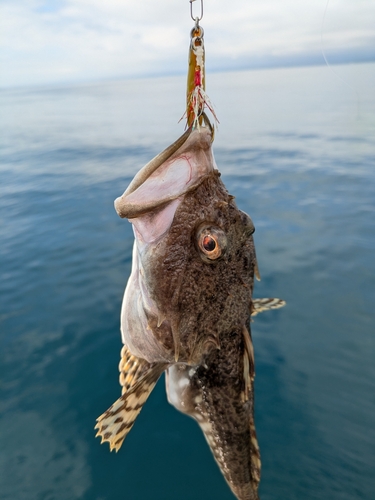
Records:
x=187, y=306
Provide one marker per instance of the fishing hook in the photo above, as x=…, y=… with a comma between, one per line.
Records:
x=197, y=18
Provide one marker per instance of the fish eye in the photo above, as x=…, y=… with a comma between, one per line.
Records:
x=211, y=242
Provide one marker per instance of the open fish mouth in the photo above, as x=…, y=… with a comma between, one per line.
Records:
x=171, y=174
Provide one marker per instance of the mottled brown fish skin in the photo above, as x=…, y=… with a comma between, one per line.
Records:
x=210, y=305
x=231, y=431
x=201, y=300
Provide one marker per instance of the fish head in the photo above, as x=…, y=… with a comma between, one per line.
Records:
x=193, y=258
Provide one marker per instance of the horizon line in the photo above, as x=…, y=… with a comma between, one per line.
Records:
x=276, y=64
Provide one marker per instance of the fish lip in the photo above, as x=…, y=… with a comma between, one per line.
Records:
x=158, y=160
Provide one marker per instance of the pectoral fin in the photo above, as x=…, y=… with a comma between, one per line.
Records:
x=138, y=378
x=261, y=305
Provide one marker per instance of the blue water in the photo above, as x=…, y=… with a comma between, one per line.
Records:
x=297, y=149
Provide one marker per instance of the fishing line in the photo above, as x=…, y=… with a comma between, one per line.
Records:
x=330, y=66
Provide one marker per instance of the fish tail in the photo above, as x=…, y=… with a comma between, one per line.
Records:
x=239, y=462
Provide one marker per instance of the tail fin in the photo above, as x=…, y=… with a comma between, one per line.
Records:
x=138, y=378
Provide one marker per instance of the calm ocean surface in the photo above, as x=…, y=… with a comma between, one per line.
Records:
x=297, y=149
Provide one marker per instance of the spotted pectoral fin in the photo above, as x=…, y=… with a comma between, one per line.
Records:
x=132, y=369
x=261, y=305
x=115, y=423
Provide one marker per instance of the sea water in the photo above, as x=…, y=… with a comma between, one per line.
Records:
x=297, y=149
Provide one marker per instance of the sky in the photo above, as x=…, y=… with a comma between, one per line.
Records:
x=59, y=41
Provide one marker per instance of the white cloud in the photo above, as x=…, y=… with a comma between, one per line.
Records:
x=60, y=40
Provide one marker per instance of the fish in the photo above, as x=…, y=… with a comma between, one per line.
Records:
x=188, y=304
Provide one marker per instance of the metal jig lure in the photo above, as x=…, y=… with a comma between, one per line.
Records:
x=196, y=98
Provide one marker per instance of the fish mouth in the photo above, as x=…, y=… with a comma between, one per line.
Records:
x=172, y=173
x=152, y=198
x=155, y=163
x=122, y=205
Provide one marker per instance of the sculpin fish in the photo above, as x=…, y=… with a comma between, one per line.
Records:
x=187, y=306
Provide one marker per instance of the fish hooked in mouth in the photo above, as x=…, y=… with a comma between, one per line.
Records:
x=187, y=306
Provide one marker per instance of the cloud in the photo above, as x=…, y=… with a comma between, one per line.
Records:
x=46, y=41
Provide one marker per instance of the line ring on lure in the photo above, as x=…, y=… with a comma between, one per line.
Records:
x=196, y=18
